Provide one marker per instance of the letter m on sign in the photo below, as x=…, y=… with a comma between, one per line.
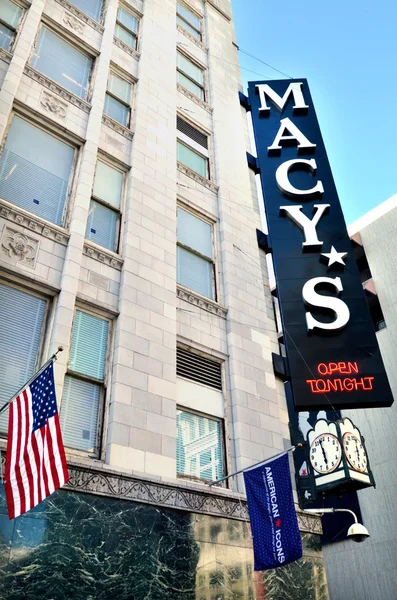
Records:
x=294, y=88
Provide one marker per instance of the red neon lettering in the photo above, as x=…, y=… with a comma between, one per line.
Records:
x=348, y=384
x=311, y=382
x=340, y=367
x=353, y=367
x=322, y=369
x=333, y=385
x=321, y=386
x=332, y=368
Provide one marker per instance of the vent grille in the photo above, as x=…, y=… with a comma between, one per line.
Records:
x=192, y=133
x=197, y=368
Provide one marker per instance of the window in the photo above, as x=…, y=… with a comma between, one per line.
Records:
x=190, y=76
x=192, y=148
x=84, y=383
x=104, y=216
x=10, y=15
x=59, y=60
x=92, y=8
x=118, y=99
x=199, y=450
x=35, y=170
x=188, y=20
x=126, y=28
x=195, y=265
x=21, y=318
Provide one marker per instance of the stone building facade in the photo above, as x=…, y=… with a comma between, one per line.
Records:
x=128, y=224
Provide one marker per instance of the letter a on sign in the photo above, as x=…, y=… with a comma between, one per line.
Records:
x=324, y=312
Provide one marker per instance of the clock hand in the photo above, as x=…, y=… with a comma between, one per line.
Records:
x=324, y=454
x=357, y=452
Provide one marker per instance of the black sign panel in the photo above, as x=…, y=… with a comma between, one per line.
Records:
x=332, y=350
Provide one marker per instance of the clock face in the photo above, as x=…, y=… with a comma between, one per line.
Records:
x=355, y=452
x=325, y=453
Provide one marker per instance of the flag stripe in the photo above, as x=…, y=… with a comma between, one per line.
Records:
x=35, y=461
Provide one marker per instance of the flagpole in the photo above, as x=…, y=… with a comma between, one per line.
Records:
x=261, y=462
x=52, y=358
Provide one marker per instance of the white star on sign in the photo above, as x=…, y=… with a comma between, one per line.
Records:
x=334, y=257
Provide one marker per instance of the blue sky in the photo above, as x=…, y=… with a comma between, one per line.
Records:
x=347, y=50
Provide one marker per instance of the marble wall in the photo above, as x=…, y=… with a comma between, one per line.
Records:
x=84, y=547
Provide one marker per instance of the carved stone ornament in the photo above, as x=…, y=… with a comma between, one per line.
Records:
x=208, y=501
x=194, y=98
x=103, y=257
x=81, y=15
x=6, y=56
x=53, y=105
x=14, y=215
x=57, y=89
x=126, y=48
x=127, y=133
x=198, y=178
x=192, y=38
x=18, y=247
x=200, y=302
x=75, y=24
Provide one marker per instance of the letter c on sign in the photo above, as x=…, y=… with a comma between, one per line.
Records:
x=336, y=305
x=284, y=183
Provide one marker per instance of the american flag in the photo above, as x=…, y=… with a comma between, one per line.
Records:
x=35, y=462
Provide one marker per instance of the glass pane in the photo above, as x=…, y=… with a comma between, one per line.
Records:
x=21, y=322
x=195, y=272
x=125, y=36
x=108, y=184
x=116, y=110
x=189, y=68
x=6, y=37
x=92, y=8
x=10, y=13
x=79, y=413
x=89, y=342
x=102, y=225
x=127, y=19
x=192, y=159
x=199, y=449
x=34, y=170
x=188, y=15
x=119, y=87
x=64, y=64
x=189, y=85
x=188, y=27
x=194, y=232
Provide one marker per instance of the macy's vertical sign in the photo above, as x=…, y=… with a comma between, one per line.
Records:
x=322, y=303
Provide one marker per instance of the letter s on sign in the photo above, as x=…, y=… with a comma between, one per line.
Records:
x=311, y=297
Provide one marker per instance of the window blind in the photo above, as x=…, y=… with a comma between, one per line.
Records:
x=21, y=324
x=108, y=184
x=195, y=272
x=92, y=8
x=194, y=232
x=34, y=170
x=192, y=133
x=198, y=368
x=79, y=413
x=199, y=447
x=63, y=63
x=102, y=225
x=89, y=343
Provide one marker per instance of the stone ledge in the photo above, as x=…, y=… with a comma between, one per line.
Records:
x=191, y=37
x=117, y=127
x=57, y=89
x=126, y=48
x=210, y=501
x=103, y=255
x=201, y=302
x=198, y=178
x=194, y=98
x=6, y=56
x=24, y=219
x=81, y=15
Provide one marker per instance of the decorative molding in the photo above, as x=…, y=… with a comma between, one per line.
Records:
x=116, y=126
x=16, y=215
x=95, y=481
x=200, y=302
x=102, y=255
x=194, y=98
x=75, y=24
x=53, y=105
x=81, y=15
x=19, y=247
x=126, y=48
x=198, y=178
x=6, y=56
x=191, y=37
x=57, y=89
x=215, y=4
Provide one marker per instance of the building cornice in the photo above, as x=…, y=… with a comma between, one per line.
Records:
x=29, y=221
x=198, y=178
x=126, y=48
x=201, y=302
x=103, y=256
x=117, y=127
x=208, y=501
x=192, y=38
x=57, y=89
x=194, y=98
x=6, y=56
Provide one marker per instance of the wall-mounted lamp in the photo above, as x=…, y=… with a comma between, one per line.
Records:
x=357, y=532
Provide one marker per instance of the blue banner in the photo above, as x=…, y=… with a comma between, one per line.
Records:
x=274, y=523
